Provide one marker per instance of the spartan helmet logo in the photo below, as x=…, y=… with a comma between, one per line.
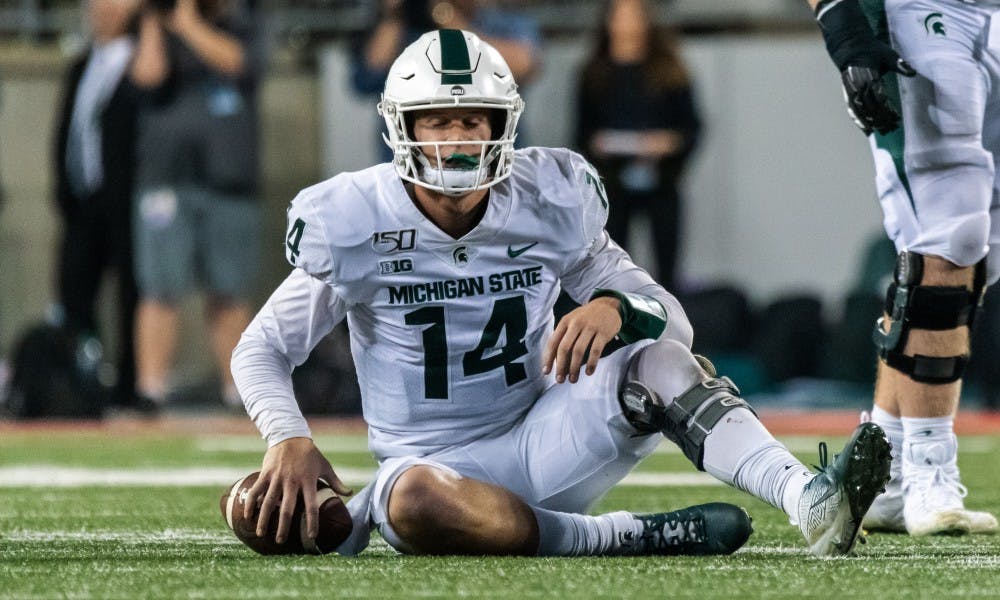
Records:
x=934, y=24
x=461, y=255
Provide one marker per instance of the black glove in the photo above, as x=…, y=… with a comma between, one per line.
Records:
x=862, y=59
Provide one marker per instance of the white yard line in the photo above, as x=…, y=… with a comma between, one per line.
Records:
x=187, y=536
x=54, y=476
x=222, y=536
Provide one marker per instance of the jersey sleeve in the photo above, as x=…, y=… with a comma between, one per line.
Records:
x=594, y=202
x=307, y=244
x=605, y=265
x=300, y=312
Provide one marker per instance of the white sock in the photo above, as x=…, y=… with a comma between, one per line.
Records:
x=930, y=430
x=569, y=534
x=742, y=453
x=893, y=427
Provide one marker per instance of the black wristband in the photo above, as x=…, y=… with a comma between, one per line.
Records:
x=846, y=32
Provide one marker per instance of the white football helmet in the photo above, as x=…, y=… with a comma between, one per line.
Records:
x=451, y=68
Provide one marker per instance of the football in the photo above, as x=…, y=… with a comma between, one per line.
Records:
x=334, y=521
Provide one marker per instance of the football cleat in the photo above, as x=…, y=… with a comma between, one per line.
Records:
x=714, y=528
x=933, y=493
x=835, y=501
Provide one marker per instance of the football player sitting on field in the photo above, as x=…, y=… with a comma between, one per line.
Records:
x=495, y=428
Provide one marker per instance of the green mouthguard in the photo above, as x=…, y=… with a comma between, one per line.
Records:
x=462, y=161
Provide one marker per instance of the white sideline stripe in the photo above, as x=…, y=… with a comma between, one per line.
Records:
x=355, y=443
x=53, y=476
x=69, y=477
x=255, y=445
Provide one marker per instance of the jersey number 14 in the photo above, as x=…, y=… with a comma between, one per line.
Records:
x=509, y=317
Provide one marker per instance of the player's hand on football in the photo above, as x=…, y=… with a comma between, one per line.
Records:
x=580, y=338
x=862, y=59
x=291, y=469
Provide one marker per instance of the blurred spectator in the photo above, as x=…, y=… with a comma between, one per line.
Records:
x=197, y=219
x=2, y=197
x=638, y=123
x=94, y=157
x=399, y=23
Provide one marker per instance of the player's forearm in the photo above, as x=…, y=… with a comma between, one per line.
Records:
x=520, y=57
x=263, y=378
x=150, y=65
x=220, y=51
x=289, y=325
x=384, y=45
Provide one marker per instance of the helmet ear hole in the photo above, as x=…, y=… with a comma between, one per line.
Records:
x=408, y=121
x=498, y=123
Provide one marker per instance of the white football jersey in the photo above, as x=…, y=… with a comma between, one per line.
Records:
x=447, y=334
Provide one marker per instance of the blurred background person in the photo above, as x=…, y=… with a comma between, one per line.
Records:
x=399, y=23
x=638, y=123
x=94, y=169
x=2, y=197
x=197, y=217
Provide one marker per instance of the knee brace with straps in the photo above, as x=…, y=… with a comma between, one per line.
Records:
x=689, y=418
x=910, y=305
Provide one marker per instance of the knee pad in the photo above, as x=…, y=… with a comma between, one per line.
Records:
x=935, y=308
x=689, y=417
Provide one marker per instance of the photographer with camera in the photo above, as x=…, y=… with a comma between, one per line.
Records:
x=196, y=213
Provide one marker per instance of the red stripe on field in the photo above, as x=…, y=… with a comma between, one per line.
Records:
x=831, y=422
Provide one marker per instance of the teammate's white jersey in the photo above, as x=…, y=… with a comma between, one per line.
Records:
x=447, y=334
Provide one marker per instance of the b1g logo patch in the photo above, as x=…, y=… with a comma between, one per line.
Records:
x=388, y=267
x=387, y=242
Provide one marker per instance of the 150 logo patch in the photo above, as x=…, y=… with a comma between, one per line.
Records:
x=387, y=242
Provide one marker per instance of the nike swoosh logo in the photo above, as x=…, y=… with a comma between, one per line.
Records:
x=515, y=253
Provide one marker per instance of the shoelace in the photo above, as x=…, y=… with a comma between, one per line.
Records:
x=823, y=455
x=821, y=468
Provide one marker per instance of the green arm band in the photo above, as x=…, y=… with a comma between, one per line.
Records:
x=643, y=317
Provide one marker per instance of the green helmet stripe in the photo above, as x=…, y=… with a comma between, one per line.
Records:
x=454, y=57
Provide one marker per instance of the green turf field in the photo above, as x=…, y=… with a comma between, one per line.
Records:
x=151, y=528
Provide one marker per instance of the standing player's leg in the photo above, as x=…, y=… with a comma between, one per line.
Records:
x=936, y=196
